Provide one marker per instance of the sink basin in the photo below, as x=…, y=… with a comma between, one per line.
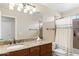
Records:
x=15, y=46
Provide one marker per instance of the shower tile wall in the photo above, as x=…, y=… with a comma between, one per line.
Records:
x=64, y=33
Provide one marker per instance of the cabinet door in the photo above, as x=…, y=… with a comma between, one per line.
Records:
x=34, y=51
x=46, y=50
x=24, y=52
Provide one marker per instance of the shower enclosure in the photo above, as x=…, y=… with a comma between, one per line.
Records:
x=67, y=35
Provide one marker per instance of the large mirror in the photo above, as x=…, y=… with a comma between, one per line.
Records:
x=7, y=28
x=21, y=25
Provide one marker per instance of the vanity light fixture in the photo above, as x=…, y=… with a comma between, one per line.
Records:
x=20, y=7
x=34, y=9
x=25, y=7
x=11, y=6
x=30, y=12
x=25, y=11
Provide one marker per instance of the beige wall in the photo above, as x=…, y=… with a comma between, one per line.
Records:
x=49, y=34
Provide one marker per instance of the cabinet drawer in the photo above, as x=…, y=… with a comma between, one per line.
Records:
x=3, y=54
x=24, y=52
x=34, y=51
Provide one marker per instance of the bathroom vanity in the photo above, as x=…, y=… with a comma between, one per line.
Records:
x=42, y=48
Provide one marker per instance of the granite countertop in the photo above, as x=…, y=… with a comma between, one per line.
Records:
x=29, y=44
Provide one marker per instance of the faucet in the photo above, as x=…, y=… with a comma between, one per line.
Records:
x=14, y=41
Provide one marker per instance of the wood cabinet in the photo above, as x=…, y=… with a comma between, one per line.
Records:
x=46, y=50
x=41, y=50
x=34, y=51
x=24, y=52
x=3, y=54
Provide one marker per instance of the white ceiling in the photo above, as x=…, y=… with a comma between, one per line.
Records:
x=59, y=7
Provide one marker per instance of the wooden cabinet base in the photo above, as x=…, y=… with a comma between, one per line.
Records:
x=34, y=51
x=24, y=52
x=46, y=50
x=41, y=50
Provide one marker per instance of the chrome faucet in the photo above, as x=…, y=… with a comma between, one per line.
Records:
x=14, y=41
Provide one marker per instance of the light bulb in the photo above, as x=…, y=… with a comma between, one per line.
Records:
x=11, y=6
x=28, y=7
x=19, y=9
x=31, y=12
x=25, y=11
x=34, y=9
